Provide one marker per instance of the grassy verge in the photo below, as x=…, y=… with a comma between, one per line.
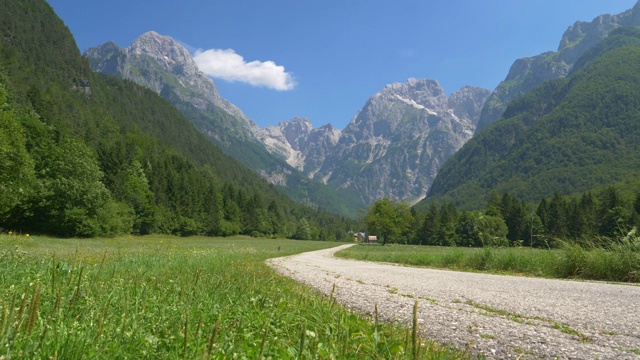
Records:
x=619, y=262
x=165, y=297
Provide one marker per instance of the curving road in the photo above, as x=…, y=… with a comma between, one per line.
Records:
x=497, y=316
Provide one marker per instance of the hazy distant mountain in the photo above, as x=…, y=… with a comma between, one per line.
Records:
x=392, y=148
x=527, y=74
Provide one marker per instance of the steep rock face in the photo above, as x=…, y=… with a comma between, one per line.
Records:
x=300, y=144
x=163, y=65
x=527, y=74
x=394, y=146
x=284, y=140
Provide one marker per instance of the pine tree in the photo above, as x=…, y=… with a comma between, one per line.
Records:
x=428, y=232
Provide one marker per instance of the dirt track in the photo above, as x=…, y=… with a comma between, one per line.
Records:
x=498, y=316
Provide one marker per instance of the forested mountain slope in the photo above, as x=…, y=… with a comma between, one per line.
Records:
x=569, y=135
x=84, y=154
x=163, y=65
x=528, y=73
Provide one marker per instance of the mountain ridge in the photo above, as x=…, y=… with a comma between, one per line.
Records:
x=569, y=135
x=393, y=146
x=318, y=153
x=530, y=72
x=99, y=156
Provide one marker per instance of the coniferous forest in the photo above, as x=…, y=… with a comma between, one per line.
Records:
x=83, y=154
x=592, y=219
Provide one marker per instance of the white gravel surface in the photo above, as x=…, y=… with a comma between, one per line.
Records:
x=498, y=316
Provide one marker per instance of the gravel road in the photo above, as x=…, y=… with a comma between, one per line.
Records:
x=498, y=316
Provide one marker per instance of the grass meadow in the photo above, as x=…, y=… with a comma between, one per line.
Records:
x=161, y=297
x=620, y=262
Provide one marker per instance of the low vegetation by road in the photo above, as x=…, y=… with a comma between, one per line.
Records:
x=620, y=262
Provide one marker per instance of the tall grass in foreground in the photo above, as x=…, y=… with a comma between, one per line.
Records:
x=163, y=297
x=619, y=261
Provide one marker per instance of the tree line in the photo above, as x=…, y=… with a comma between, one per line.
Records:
x=508, y=221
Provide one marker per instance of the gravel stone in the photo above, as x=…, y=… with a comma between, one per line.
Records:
x=499, y=317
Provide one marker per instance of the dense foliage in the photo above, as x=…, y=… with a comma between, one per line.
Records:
x=84, y=154
x=391, y=220
x=599, y=218
x=589, y=219
x=568, y=136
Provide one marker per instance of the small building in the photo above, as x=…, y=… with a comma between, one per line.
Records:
x=359, y=237
x=362, y=238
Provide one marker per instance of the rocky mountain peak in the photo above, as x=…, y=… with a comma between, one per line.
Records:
x=393, y=147
x=296, y=128
x=387, y=108
x=467, y=102
x=168, y=68
x=419, y=92
x=166, y=51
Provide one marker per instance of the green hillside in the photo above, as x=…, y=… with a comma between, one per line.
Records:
x=569, y=135
x=83, y=154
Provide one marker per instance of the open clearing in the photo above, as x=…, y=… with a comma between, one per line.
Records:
x=497, y=316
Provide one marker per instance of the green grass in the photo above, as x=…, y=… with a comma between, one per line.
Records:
x=619, y=262
x=497, y=260
x=166, y=297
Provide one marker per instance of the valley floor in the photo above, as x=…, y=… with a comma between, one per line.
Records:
x=492, y=315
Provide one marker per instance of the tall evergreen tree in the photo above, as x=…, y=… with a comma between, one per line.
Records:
x=612, y=215
x=448, y=221
x=557, y=217
x=430, y=228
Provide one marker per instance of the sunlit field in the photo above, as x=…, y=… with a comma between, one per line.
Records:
x=166, y=297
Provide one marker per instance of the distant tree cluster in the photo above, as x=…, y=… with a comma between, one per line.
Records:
x=507, y=221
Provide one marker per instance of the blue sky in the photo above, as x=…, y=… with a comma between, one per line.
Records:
x=322, y=59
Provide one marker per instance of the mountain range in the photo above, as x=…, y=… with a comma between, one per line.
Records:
x=392, y=148
x=164, y=66
x=85, y=154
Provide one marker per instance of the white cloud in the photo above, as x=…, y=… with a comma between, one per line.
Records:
x=227, y=65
